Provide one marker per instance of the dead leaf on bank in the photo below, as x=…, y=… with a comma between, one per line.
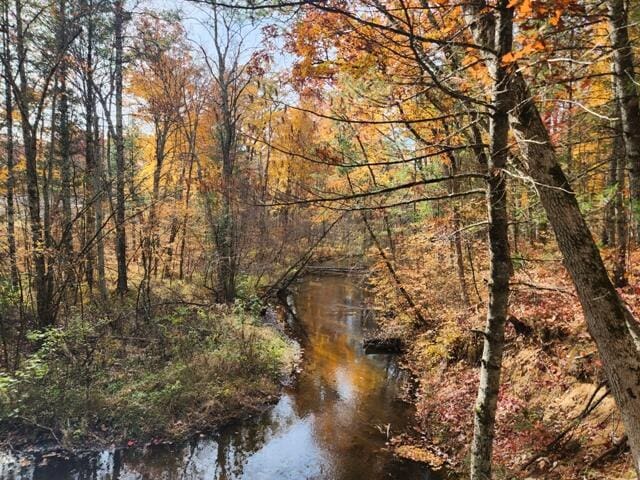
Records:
x=418, y=454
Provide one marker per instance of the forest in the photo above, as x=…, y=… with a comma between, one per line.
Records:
x=320, y=239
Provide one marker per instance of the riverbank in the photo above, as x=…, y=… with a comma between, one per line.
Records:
x=556, y=418
x=188, y=369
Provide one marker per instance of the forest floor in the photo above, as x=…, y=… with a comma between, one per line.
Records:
x=556, y=418
x=189, y=368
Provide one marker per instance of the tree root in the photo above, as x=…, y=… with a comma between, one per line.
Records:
x=618, y=447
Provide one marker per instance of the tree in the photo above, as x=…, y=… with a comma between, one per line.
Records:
x=231, y=78
x=160, y=79
x=627, y=95
x=31, y=116
x=121, y=239
x=500, y=270
x=64, y=142
x=10, y=151
x=87, y=60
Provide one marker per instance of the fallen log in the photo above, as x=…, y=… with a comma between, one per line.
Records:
x=334, y=270
x=383, y=345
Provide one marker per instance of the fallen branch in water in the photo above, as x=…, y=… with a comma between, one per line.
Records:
x=322, y=269
x=289, y=276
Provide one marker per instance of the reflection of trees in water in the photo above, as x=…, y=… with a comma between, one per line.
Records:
x=159, y=462
x=99, y=466
x=236, y=444
x=222, y=457
x=352, y=393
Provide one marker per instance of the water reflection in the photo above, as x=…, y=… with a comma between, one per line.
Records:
x=332, y=425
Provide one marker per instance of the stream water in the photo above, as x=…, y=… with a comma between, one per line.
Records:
x=332, y=424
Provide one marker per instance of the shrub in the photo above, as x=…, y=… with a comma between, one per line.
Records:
x=185, y=370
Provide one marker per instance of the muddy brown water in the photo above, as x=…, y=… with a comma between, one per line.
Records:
x=332, y=424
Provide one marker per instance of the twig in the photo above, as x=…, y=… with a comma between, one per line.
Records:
x=589, y=407
x=43, y=427
x=479, y=332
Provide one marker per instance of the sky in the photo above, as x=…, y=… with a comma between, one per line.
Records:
x=197, y=19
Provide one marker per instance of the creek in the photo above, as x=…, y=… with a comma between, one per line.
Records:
x=333, y=423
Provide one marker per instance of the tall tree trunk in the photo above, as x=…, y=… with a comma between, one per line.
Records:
x=47, y=170
x=95, y=262
x=121, y=240
x=150, y=240
x=90, y=148
x=608, y=234
x=227, y=138
x=64, y=149
x=225, y=240
x=627, y=95
x=41, y=283
x=608, y=319
x=208, y=202
x=192, y=137
x=226, y=223
x=500, y=258
x=99, y=192
x=620, y=271
x=11, y=229
x=162, y=132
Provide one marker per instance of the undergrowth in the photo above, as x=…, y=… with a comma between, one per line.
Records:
x=187, y=369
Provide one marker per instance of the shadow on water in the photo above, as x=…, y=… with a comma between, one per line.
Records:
x=331, y=425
